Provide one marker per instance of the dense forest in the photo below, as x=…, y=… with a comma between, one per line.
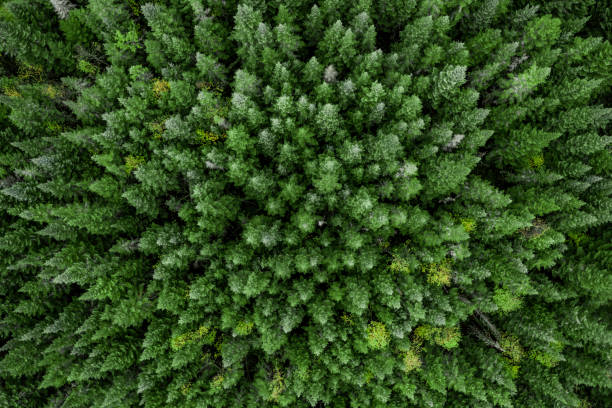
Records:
x=260, y=203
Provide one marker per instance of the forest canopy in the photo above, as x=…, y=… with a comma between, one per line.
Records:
x=261, y=203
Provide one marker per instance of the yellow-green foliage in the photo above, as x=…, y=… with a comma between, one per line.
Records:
x=243, y=328
x=513, y=369
x=383, y=244
x=447, y=337
x=209, y=86
x=347, y=318
x=399, y=265
x=135, y=6
x=133, y=162
x=30, y=73
x=277, y=385
x=11, y=92
x=53, y=127
x=207, y=137
x=217, y=381
x=424, y=332
x=468, y=224
x=411, y=360
x=218, y=344
x=51, y=91
x=546, y=359
x=512, y=348
x=160, y=87
x=180, y=341
x=128, y=41
x=438, y=273
x=222, y=106
x=157, y=128
x=185, y=388
x=536, y=161
x=378, y=336
x=506, y=301
x=87, y=67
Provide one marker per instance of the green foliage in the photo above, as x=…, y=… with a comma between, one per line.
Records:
x=505, y=300
x=127, y=41
x=180, y=341
x=524, y=83
x=76, y=30
x=411, y=360
x=447, y=337
x=261, y=203
x=87, y=67
x=133, y=162
x=438, y=273
x=378, y=336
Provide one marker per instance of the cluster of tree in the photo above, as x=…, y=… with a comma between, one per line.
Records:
x=228, y=203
